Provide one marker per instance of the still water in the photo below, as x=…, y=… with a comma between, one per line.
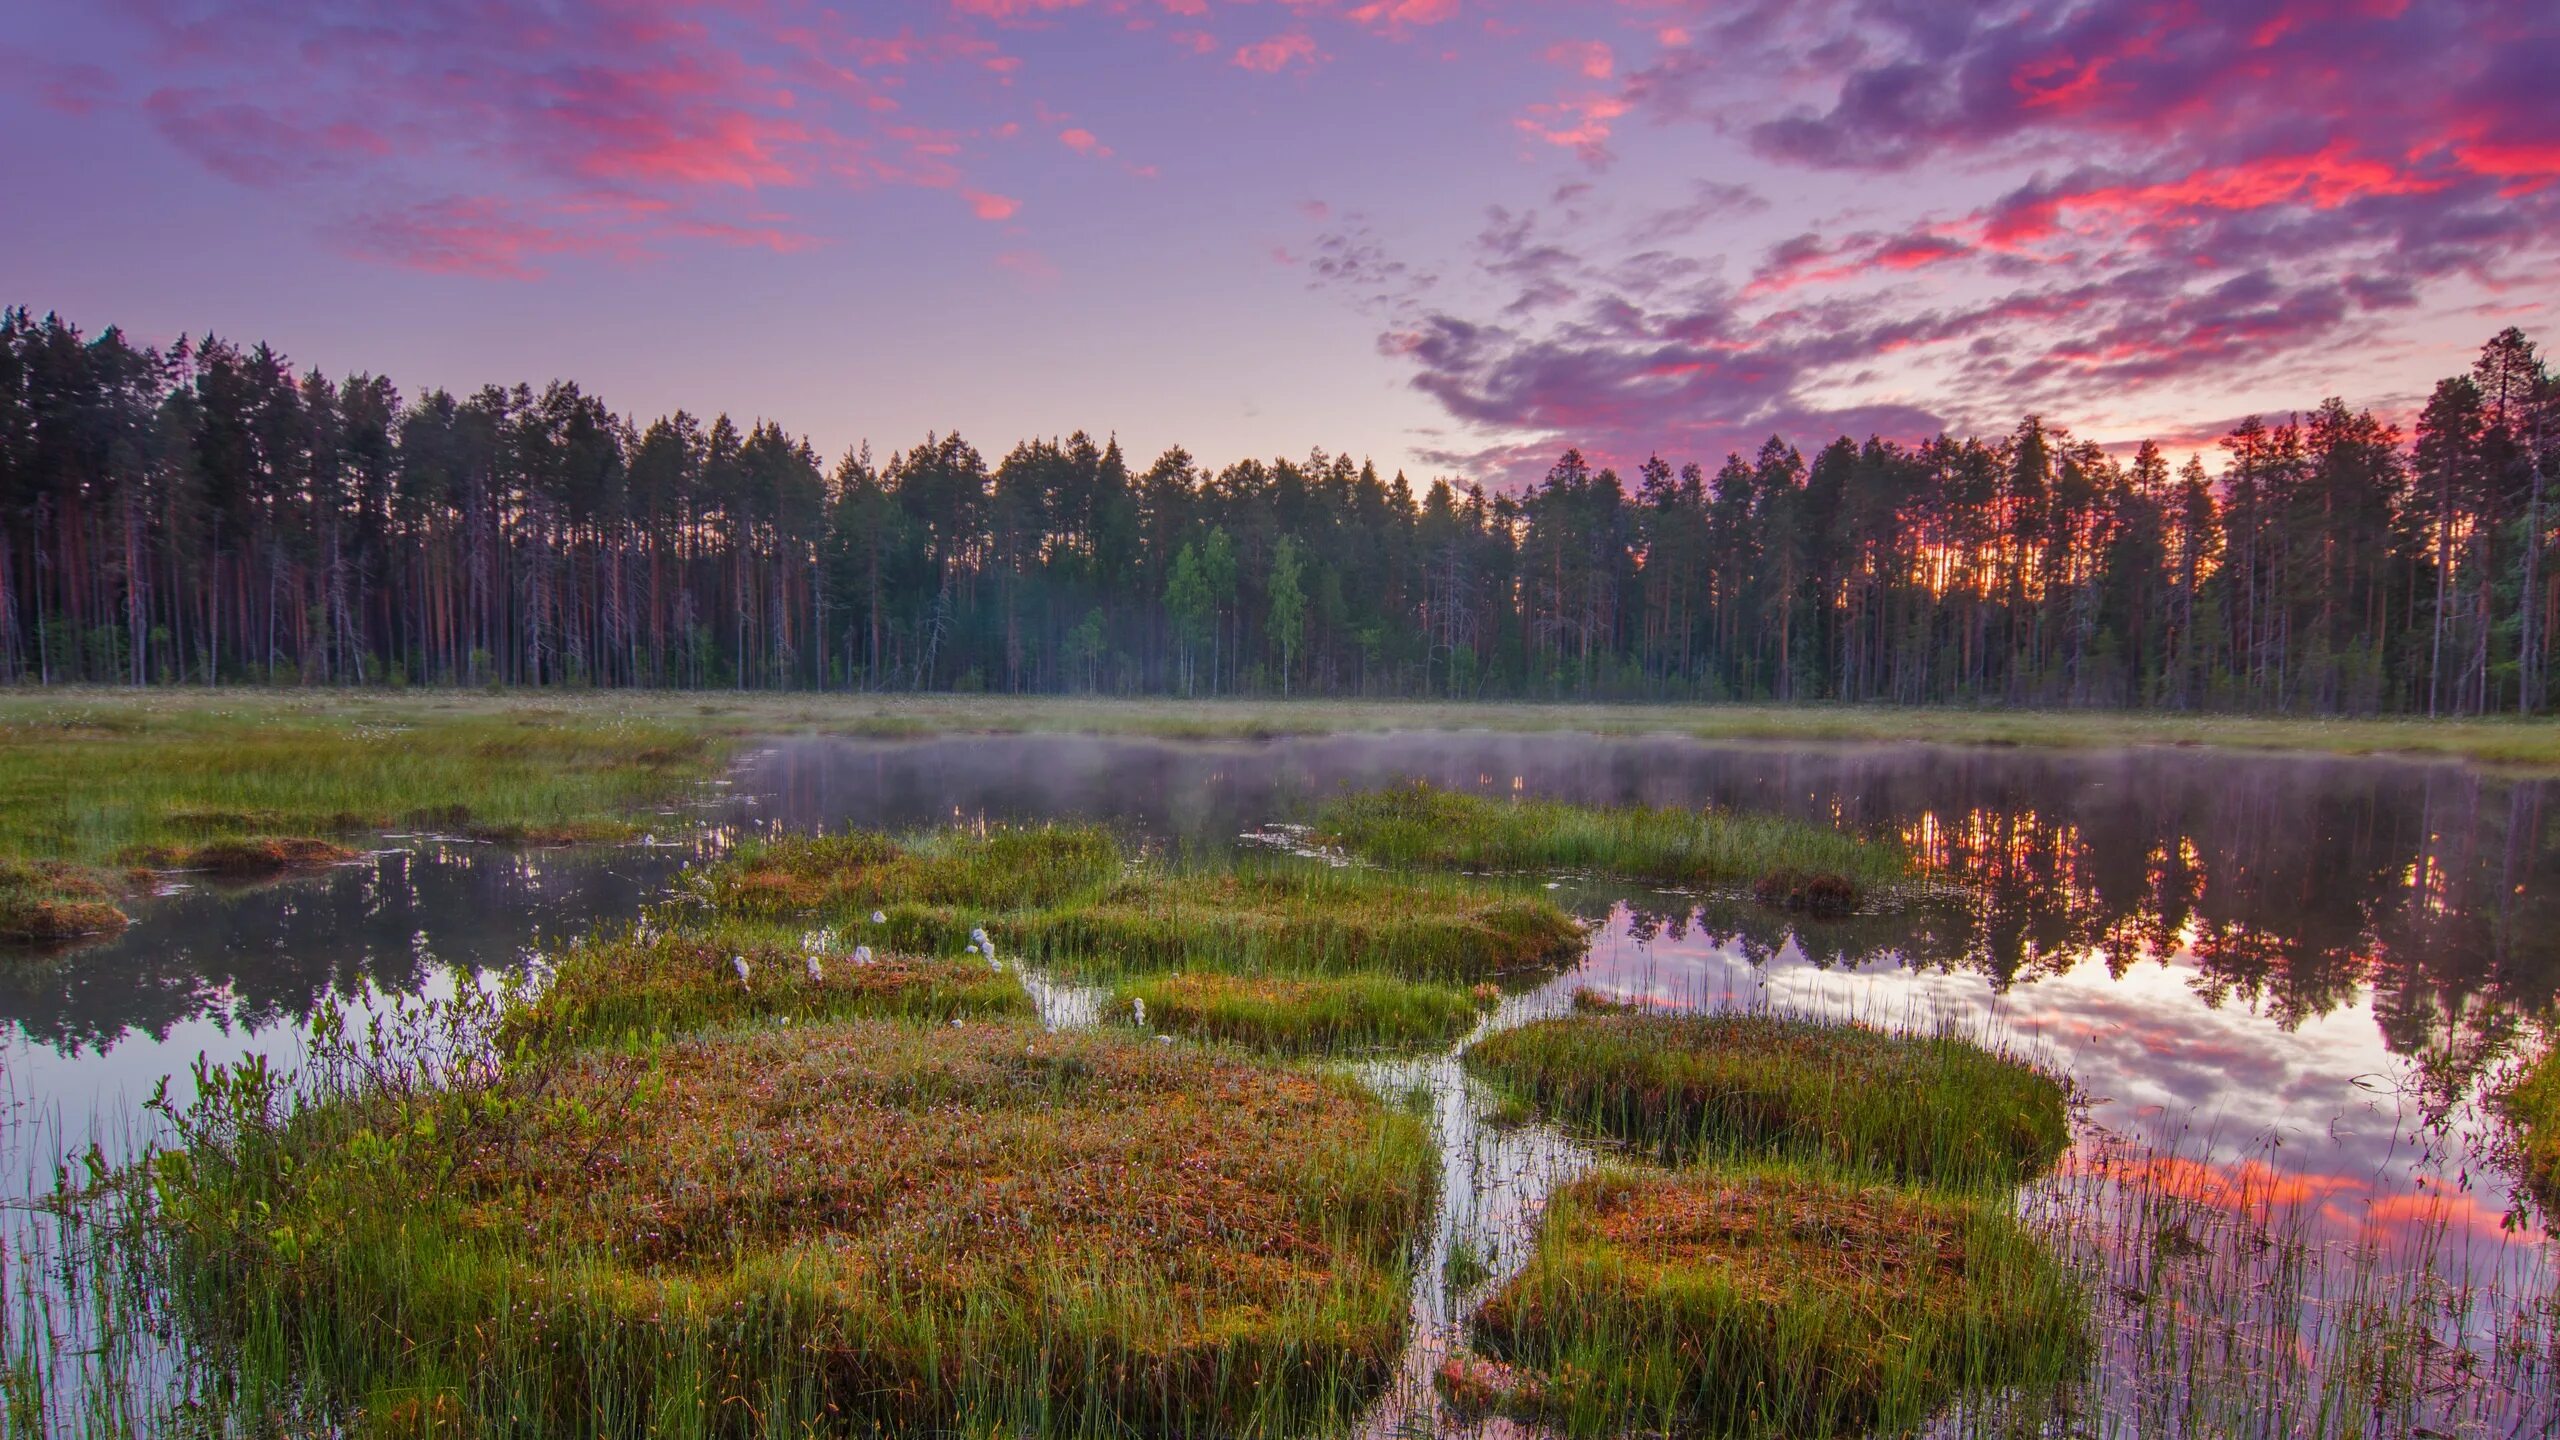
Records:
x=2284, y=987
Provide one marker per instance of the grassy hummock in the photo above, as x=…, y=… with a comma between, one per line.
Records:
x=1423, y=825
x=1932, y=1107
x=1294, y=1015
x=643, y=981
x=1770, y=1301
x=844, y=1228
x=49, y=900
x=1064, y=895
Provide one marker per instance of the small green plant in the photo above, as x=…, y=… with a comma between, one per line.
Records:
x=1933, y=1107
x=2534, y=1106
x=1466, y=1268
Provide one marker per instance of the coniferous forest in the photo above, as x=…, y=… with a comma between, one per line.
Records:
x=208, y=514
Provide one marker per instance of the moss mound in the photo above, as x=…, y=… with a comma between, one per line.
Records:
x=250, y=858
x=858, y=1226
x=1910, y=1107
x=1066, y=896
x=1808, y=893
x=1423, y=825
x=50, y=900
x=1300, y=1014
x=1770, y=1302
x=642, y=982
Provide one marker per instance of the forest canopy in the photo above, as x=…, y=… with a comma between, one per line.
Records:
x=207, y=514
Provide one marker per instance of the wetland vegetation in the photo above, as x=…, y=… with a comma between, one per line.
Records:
x=613, y=1198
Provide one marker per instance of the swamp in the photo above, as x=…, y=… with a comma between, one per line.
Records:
x=695, y=1066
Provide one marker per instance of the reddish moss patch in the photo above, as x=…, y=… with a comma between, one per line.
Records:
x=50, y=901
x=1808, y=892
x=1772, y=1302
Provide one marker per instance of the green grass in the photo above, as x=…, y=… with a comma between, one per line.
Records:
x=1933, y=1107
x=642, y=981
x=1300, y=1015
x=1423, y=825
x=869, y=1223
x=2534, y=1105
x=1063, y=895
x=1770, y=1301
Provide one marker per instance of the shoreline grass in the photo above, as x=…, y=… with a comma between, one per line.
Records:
x=1746, y=1086
x=1065, y=896
x=1769, y=1301
x=1424, y=825
x=869, y=1223
x=1301, y=1015
x=2525, y=743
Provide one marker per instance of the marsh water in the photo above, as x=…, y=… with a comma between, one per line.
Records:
x=2285, y=989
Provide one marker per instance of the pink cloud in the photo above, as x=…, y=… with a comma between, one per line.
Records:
x=1589, y=58
x=1277, y=53
x=477, y=235
x=1397, y=16
x=1083, y=142
x=987, y=206
x=1031, y=265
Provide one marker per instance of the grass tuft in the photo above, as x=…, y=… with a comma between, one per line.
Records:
x=1065, y=896
x=1295, y=1015
x=641, y=982
x=1769, y=1301
x=1422, y=825
x=1724, y=1086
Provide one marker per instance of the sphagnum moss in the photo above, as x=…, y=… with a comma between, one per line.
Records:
x=1064, y=895
x=1934, y=1107
x=1300, y=1014
x=868, y=1224
x=1770, y=1301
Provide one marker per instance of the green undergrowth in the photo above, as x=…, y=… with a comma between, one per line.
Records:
x=2534, y=1106
x=647, y=980
x=1066, y=896
x=1768, y=1301
x=1299, y=1015
x=1423, y=825
x=848, y=1227
x=1682, y=1087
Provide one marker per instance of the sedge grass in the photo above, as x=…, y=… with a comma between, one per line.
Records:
x=1927, y=1107
x=870, y=1224
x=1302, y=1014
x=1064, y=896
x=1772, y=1301
x=1423, y=825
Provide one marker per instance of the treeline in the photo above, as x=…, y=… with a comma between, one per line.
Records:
x=207, y=515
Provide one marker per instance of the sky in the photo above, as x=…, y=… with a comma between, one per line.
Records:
x=1452, y=235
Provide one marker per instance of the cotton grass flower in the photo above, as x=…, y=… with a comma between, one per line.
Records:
x=879, y=917
x=861, y=954
x=817, y=972
x=739, y=964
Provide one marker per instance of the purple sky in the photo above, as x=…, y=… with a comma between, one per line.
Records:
x=1450, y=234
